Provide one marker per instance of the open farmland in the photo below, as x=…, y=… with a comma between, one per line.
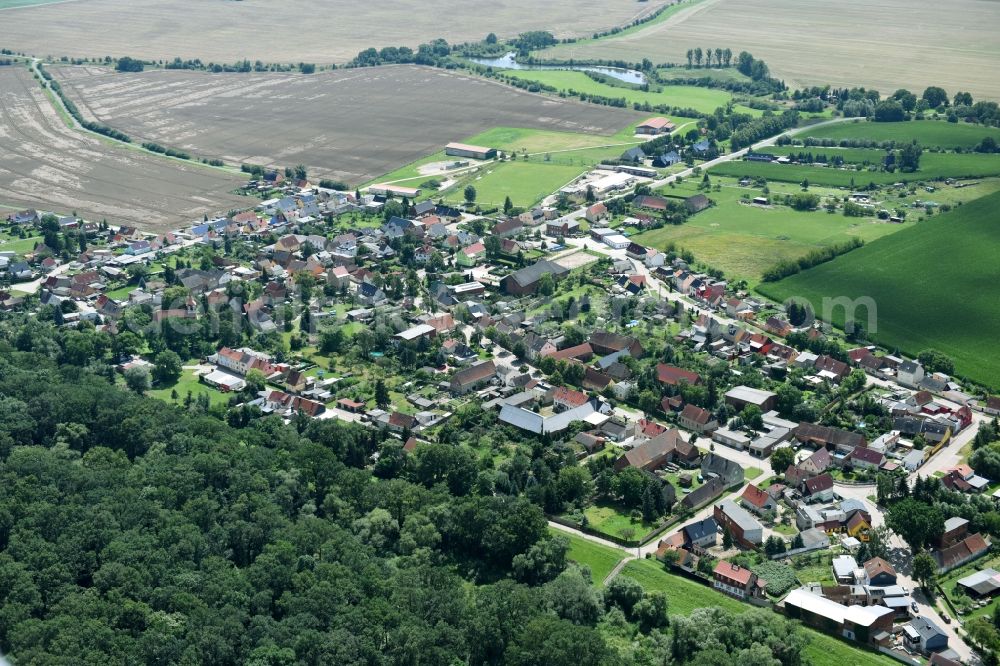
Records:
x=744, y=240
x=928, y=133
x=45, y=164
x=353, y=125
x=935, y=284
x=884, y=44
x=320, y=31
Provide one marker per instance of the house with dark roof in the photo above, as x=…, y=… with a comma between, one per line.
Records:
x=924, y=634
x=818, y=489
x=604, y=342
x=525, y=280
x=697, y=203
x=730, y=472
x=703, y=494
x=702, y=533
x=667, y=159
x=633, y=155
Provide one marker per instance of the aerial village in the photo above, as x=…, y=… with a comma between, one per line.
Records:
x=738, y=441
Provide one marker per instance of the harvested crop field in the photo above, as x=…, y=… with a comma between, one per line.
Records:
x=46, y=165
x=320, y=31
x=351, y=124
x=884, y=44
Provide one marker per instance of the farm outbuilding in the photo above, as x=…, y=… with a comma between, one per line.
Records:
x=465, y=150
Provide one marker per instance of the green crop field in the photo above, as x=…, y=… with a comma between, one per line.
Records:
x=705, y=100
x=935, y=285
x=600, y=559
x=933, y=166
x=927, y=132
x=683, y=596
x=552, y=147
x=744, y=241
x=526, y=183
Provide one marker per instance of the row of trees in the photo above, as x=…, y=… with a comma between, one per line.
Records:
x=723, y=57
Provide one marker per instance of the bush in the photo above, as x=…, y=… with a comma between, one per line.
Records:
x=780, y=578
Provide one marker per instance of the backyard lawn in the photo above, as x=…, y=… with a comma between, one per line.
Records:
x=18, y=245
x=188, y=382
x=614, y=520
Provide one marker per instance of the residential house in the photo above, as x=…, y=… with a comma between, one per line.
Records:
x=757, y=500
x=473, y=377
x=596, y=212
x=924, y=634
x=910, y=374
x=864, y=458
x=653, y=454
x=701, y=533
x=880, y=572
x=737, y=581
x=818, y=488
x=671, y=375
x=697, y=419
x=742, y=527
x=729, y=472
x=703, y=494
x=471, y=255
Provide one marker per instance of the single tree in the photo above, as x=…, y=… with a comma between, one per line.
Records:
x=470, y=194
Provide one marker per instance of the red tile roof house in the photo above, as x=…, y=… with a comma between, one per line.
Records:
x=970, y=548
x=737, y=581
x=697, y=419
x=865, y=458
x=672, y=375
x=582, y=352
x=564, y=398
x=757, y=500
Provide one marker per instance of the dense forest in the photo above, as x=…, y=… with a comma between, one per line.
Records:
x=133, y=531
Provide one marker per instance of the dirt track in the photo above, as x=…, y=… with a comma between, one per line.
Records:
x=350, y=124
x=46, y=165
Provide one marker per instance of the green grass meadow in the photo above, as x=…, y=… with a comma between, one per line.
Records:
x=936, y=285
x=601, y=559
x=928, y=133
x=933, y=166
x=705, y=100
x=744, y=241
